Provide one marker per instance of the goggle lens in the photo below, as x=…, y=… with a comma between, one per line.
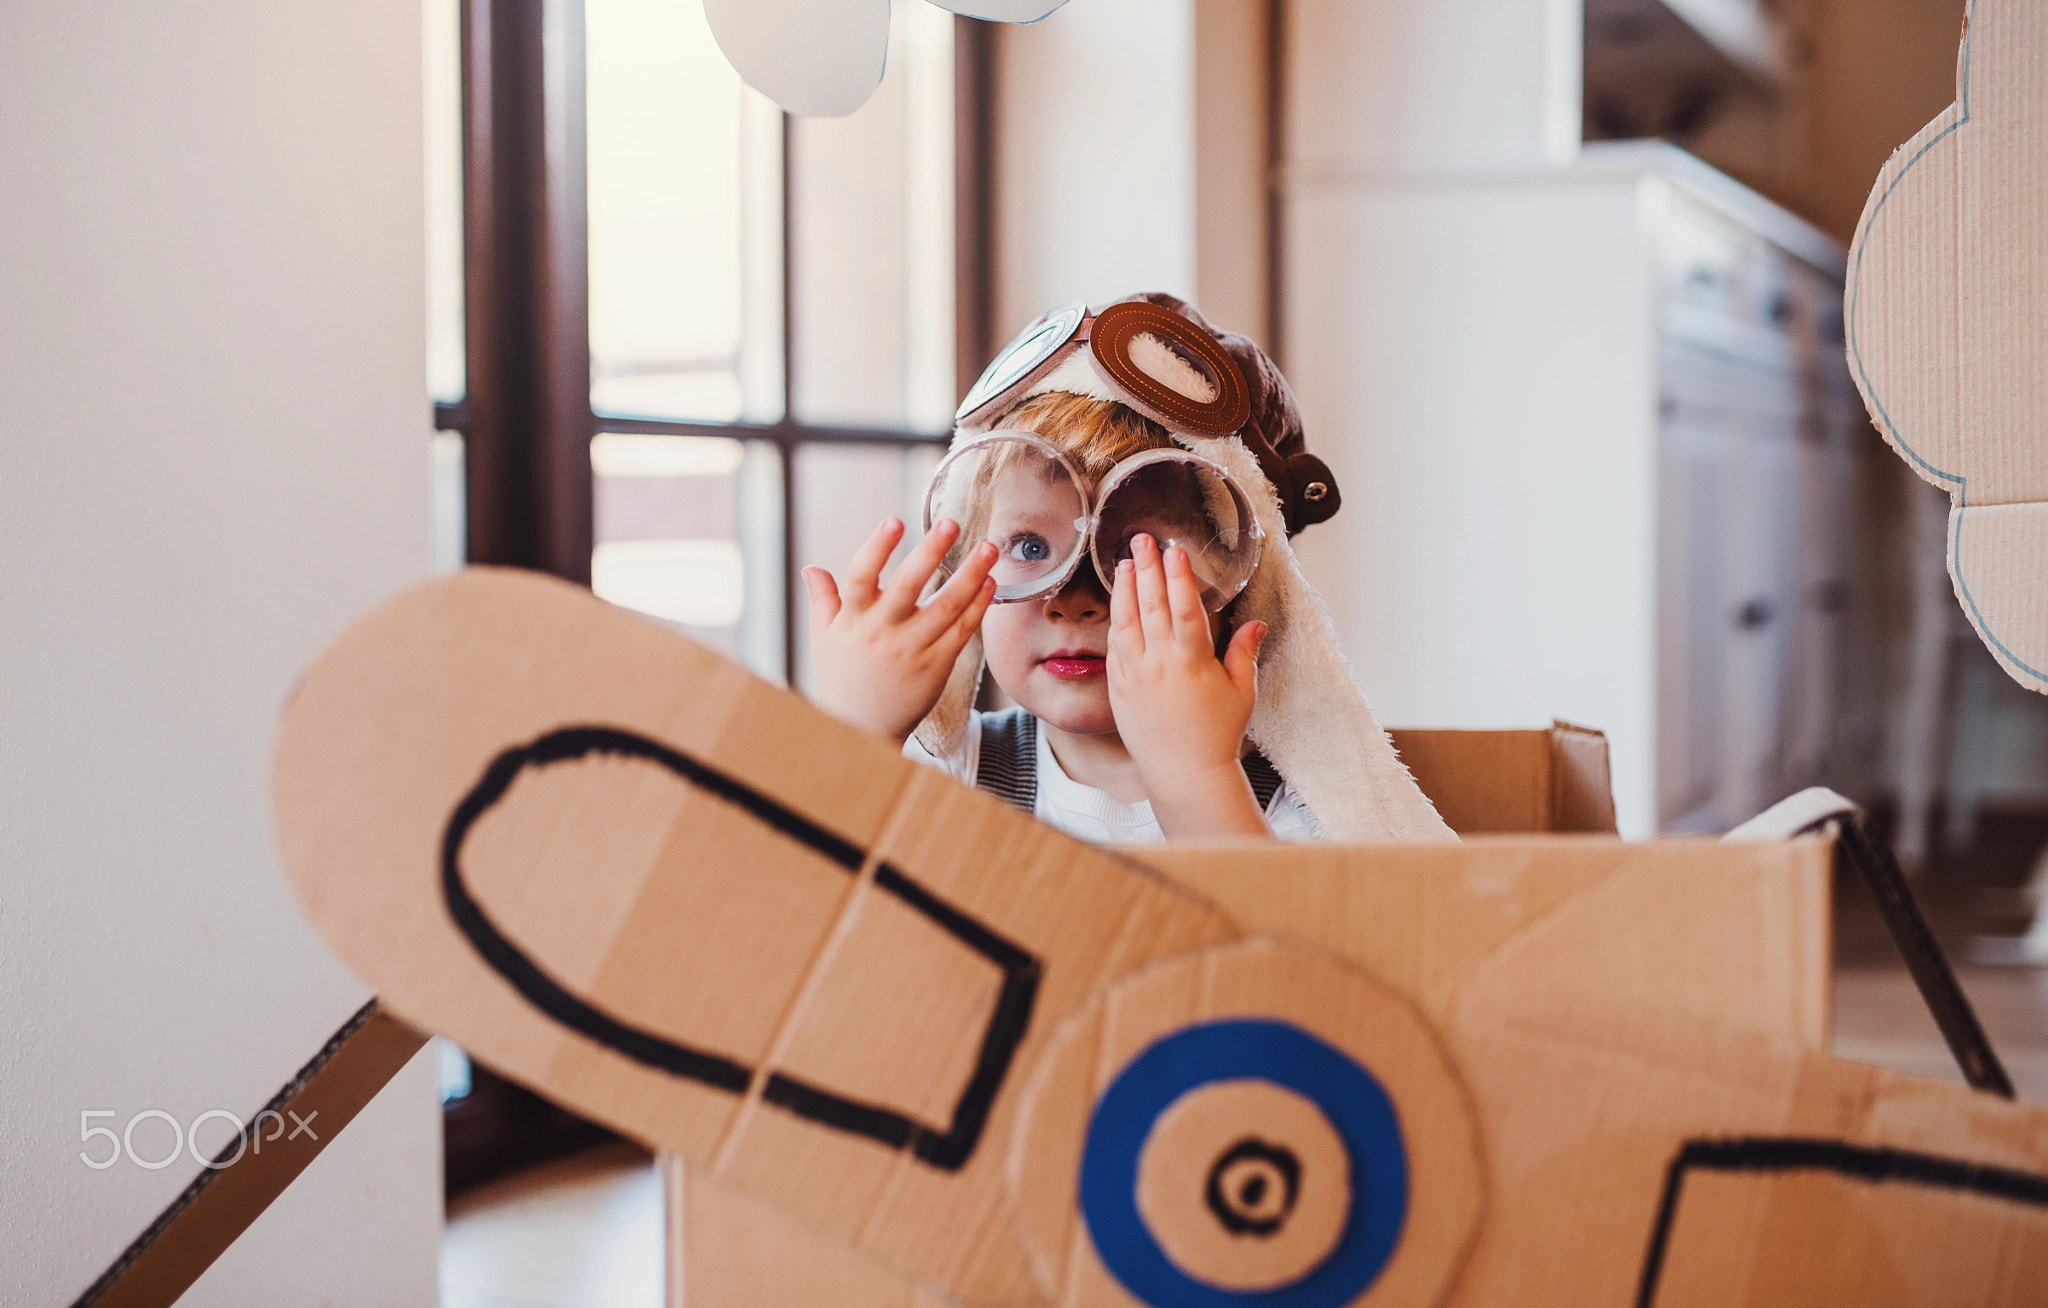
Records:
x=1017, y=493
x=1019, y=496
x=1186, y=502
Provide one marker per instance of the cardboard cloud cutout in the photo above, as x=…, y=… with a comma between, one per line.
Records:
x=824, y=58
x=1947, y=309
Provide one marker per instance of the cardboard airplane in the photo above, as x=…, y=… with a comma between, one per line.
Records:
x=1021, y=1070
x=914, y=1048
x=917, y=1048
x=1947, y=297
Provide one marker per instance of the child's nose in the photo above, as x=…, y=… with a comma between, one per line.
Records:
x=1082, y=599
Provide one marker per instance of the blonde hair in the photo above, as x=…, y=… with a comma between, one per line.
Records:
x=1095, y=434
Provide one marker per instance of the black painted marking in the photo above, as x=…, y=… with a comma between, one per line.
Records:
x=1772, y=1155
x=947, y=1149
x=1238, y=1211
x=1006, y=1025
x=1929, y=966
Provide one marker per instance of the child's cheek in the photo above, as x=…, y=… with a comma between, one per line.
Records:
x=1006, y=641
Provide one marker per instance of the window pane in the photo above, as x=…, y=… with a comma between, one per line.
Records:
x=452, y=1070
x=677, y=538
x=684, y=192
x=872, y=225
x=842, y=491
x=449, y=516
x=445, y=362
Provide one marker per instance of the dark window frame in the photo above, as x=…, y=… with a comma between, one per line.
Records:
x=526, y=418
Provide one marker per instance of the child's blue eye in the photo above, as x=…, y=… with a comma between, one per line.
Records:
x=1029, y=549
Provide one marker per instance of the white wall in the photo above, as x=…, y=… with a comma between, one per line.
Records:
x=1447, y=86
x=1233, y=165
x=1131, y=144
x=213, y=451
x=1447, y=343
x=1095, y=171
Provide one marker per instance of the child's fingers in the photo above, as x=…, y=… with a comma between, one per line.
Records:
x=864, y=574
x=1184, y=602
x=899, y=599
x=1154, y=613
x=1241, y=658
x=969, y=621
x=824, y=594
x=953, y=598
x=1125, y=628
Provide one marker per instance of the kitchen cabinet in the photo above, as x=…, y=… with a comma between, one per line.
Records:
x=1596, y=438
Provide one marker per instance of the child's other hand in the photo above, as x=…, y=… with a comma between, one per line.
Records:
x=881, y=658
x=1181, y=711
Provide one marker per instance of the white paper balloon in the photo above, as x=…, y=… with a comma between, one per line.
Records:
x=815, y=58
x=1002, y=11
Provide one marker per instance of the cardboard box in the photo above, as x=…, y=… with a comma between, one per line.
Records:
x=1513, y=782
x=1733, y=939
x=1947, y=291
x=973, y=1059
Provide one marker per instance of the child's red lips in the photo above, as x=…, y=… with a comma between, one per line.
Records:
x=1073, y=665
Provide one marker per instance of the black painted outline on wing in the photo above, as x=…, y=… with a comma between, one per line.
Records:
x=1778, y=1154
x=947, y=1150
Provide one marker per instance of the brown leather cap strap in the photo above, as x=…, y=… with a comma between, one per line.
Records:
x=1118, y=325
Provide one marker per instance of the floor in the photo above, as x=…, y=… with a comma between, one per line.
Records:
x=587, y=1230
x=581, y=1232
x=1968, y=896
x=1879, y=1019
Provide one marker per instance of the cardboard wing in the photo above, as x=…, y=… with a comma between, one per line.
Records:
x=1945, y=300
x=626, y=872
x=991, y=1064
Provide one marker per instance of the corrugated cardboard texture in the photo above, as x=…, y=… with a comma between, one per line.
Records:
x=1576, y=1193
x=733, y=1249
x=1650, y=1141
x=1735, y=938
x=1946, y=296
x=1734, y=935
x=729, y=1246
x=1505, y=782
x=1663, y=1164
x=1308, y=991
x=684, y=903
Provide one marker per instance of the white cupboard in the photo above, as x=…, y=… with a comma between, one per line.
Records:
x=1594, y=429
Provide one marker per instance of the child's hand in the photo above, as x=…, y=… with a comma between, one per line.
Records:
x=882, y=660
x=1181, y=712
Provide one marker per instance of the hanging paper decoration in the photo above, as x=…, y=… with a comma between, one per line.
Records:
x=824, y=58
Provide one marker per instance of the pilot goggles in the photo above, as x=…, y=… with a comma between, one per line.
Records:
x=1018, y=492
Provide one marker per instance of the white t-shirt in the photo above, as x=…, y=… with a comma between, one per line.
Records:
x=1095, y=815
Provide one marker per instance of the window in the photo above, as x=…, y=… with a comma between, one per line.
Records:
x=679, y=343
x=446, y=365
x=770, y=330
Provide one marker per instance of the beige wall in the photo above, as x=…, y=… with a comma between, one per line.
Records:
x=1095, y=170
x=1232, y=168
x=1398, y=87
x=1131, y=147
x=214, y=436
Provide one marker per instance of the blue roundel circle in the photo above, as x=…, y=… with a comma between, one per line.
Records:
x=1244, y=1049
